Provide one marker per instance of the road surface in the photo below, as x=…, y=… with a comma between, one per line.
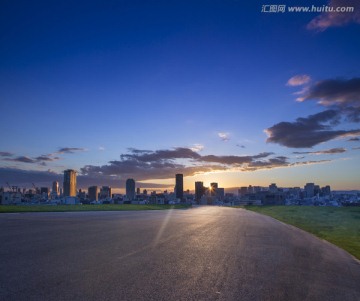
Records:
x=204, y=253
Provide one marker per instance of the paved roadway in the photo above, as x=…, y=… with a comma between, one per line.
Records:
x=207, y=253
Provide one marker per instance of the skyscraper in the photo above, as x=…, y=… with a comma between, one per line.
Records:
x=93, y=193
x=130, y=189
x=309, y=189
x=69, y=182
x=213, y=186
x=179, y=188
x=55, y=187
x=199, y=190
x=105, y=192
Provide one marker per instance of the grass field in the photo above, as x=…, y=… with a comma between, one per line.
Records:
x=66, y=208
x=340, y=226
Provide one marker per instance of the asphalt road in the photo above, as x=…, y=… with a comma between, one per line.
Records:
x=208, y=253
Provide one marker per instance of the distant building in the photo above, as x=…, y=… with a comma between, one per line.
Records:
x=45, y=191
x=220, y=193
x=309, y=189
x=105, y=192
x=214, y=187
x=69, y=183
x=243, y=191
x=138, y=190
x=55, y=187
x=273, y=188
x=179, y=188
x=199, y=190
x=326, y=190
x=93, y=193
x=130, y=189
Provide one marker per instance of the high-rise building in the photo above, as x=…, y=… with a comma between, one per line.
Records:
x=69, y=182
x=326, y=190
x=199, y=190
x=105, y=192
x=309, y=190
x=55, y=187
x=138, y=190
x=130, y=189
x=93, y=193
x=213, y=187
x=44, y=191
x=179, y=188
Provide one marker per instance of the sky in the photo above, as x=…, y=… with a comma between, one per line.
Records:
x=221, y=91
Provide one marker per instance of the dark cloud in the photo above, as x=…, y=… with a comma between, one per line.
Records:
x=343, y=98
x=341, y=92
x=27, y=177
x=233, y=160
x=48, y=158
x=160, y=155
x=356, y=148
x=331, y=151
x=240, y=145
x=6, y=154
x=40, y=159
x=309, y=131
x=354, y=139
x=22, y=159
x=163, y=164
x=70, y=150
x=276, y=162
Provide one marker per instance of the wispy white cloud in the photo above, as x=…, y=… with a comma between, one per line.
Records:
x=336, y=19
x=101, y=148
x=298, y=80
x=224, y=136
x=197, y=147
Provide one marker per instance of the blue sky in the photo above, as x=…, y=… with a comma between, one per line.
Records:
x=99, y=87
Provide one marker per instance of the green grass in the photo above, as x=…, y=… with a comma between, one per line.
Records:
x=66, y=208
x=340, y=226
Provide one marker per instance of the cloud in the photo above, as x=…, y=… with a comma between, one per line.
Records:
x=355, y=148
x=340, y=92
x=40, y=159
x=308, y=131
x=197, y=147
x=341, y=97
x=324, y=152
x=240, y=145
x=19, y=176
x=6, y=154
x=101, y=148
x=163, y=164
x=48, y=158
x=70, y=150
x=224, y=136
x=232, y=160
x=146, y=165
x=22, y=159
x=298, y=80
x=336, y=19
x=354, y=139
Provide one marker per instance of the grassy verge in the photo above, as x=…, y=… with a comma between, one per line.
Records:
x=340, y=226
x=66, y=208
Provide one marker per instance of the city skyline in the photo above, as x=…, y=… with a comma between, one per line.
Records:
x=221, y=92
